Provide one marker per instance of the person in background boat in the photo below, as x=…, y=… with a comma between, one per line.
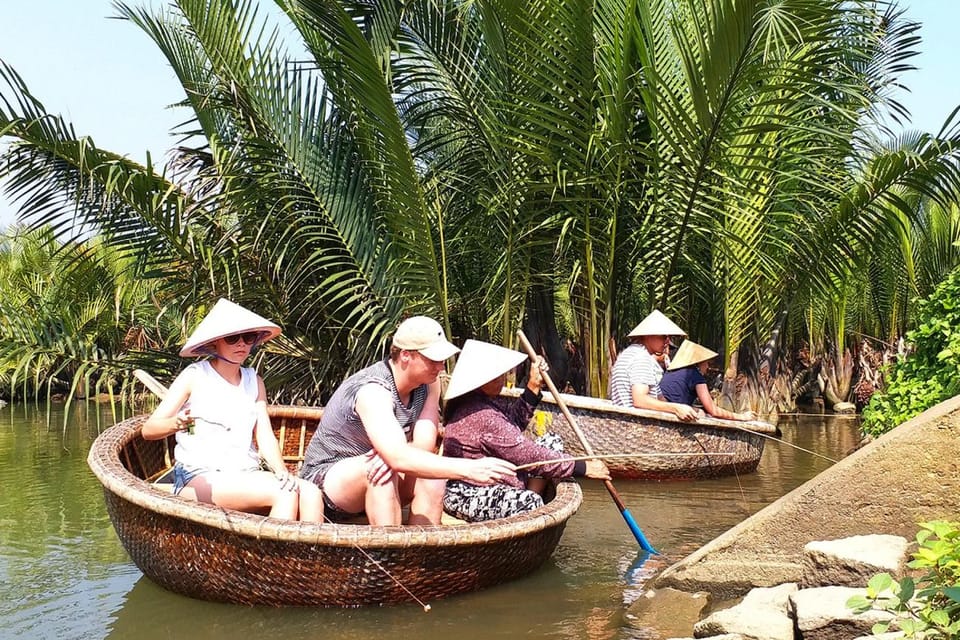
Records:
x=217, y=408
x=477, y=426
x=635, y=379
x=375, y=448
x=684, y=381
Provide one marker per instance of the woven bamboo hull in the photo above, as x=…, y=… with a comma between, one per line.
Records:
x=210, y=553
x=621, y=430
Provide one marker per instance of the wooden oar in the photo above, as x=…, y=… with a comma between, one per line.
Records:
x=634, y=527
x=150, y=383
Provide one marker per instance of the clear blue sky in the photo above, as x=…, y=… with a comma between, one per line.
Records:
x=109, y=79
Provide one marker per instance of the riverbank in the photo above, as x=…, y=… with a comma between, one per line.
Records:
x=909, y=475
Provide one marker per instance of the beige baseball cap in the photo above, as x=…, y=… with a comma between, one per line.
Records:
x=478, y=364
x=425, y=335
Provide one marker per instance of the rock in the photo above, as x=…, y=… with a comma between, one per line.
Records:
x=667, y=611
x=852, y=561
x=822, y=614
x=764, y=614
x=844, y=408
x=726, y=636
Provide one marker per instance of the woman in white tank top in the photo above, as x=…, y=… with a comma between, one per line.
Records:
x=217, y=409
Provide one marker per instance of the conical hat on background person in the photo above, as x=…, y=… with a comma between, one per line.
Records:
x=657, y=324
x=691, y=353
x=225, y=319
x=478, y=364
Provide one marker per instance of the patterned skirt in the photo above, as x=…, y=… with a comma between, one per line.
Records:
x=476, y=504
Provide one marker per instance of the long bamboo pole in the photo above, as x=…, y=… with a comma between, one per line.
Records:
x=627, y=516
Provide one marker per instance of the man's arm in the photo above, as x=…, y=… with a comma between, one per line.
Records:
x=374, y=406
x=640, y=393
x=426, y=429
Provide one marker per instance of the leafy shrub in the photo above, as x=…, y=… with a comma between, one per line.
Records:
x=931, y=373
x=929, y=607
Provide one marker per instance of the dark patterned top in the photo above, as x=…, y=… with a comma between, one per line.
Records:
x=481, y=426
x=341, y=433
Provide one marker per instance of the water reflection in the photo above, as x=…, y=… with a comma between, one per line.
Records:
x=64, y=574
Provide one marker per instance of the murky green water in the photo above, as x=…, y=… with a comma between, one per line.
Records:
x=64, y=574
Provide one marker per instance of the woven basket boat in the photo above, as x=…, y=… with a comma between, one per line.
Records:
x=611, y=429
x=217, y=554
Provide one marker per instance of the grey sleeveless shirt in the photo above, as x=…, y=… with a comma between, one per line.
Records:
x=341, y=433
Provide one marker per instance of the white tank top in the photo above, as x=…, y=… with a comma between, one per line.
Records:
x=225, y=415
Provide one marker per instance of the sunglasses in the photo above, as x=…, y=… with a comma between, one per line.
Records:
x=248, y=337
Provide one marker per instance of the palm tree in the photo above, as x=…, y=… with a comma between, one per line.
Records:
x=69, y=314
x=493, y=162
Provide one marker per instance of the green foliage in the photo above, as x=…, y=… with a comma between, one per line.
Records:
x=69, y=316
x=930, y=606
x=469, y=159
x=931, y=373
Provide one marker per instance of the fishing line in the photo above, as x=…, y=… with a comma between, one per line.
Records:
x=426, y=606
x=780, y=440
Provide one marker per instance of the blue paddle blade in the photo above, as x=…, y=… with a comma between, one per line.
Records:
x=637, y=533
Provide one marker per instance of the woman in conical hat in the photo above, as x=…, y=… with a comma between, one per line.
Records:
x=684, y=381
x=216, y=408
x=635, y=379
x=479, y=424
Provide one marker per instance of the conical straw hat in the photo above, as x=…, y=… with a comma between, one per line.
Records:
x=479, y=363
x=225, y=319
x=657, y=324
x=691, y=353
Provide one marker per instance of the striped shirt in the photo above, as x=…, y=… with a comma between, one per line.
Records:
x=635, y=365
x=341, y=433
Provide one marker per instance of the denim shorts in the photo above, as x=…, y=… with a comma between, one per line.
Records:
x=182, y=475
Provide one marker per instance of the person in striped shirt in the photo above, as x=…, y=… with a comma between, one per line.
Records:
x=635, y=380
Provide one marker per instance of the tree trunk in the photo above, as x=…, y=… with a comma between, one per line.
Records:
x=540, y=327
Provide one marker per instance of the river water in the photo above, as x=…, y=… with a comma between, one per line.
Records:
x=64, y=574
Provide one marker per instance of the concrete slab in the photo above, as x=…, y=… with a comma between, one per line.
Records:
x=909, y=475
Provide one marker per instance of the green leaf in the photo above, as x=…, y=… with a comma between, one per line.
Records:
x=859, y=603
x=879, y=583
x=907, y=588
x=952, y=592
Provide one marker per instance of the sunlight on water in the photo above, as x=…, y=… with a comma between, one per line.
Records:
x=64, y=574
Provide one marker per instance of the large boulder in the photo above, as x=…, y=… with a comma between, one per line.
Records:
x=763, y=614
x=822, y=614
x=851, y=562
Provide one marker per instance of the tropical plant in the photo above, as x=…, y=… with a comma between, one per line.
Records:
x=69, y=315
x=499, y=164
x=928, y=607
x=931, y=372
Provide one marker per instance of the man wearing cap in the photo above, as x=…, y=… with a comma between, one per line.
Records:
x=635, y=380
x=375, y=448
